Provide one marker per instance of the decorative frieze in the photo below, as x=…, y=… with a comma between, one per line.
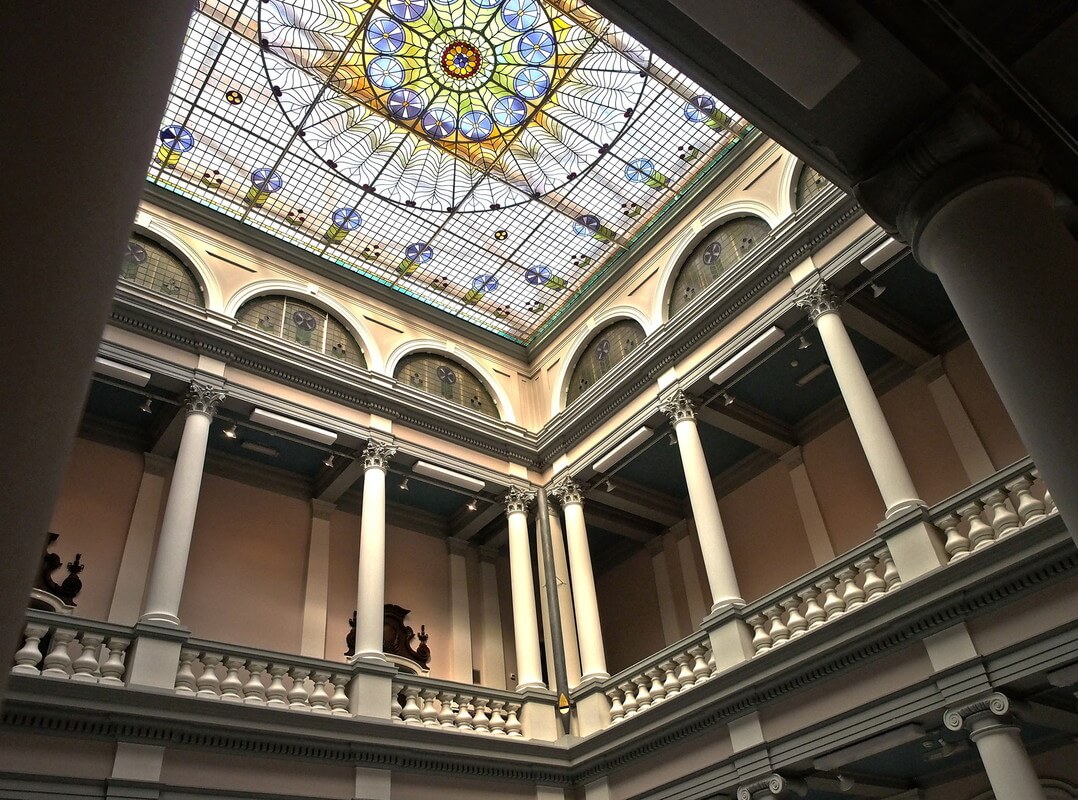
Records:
x=517, y=500
x=202, y=399
x=376, y=455
x=678, y=407
x=819, y=300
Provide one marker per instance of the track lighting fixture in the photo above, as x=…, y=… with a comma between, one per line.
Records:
x=727, y=399
x=803, y=343
x=672, y=439
x=877, y=290
x=609, y=486
x=328, y=460
x=147, y=406
x=231, y=432
x=403, y=485
x=472, y=504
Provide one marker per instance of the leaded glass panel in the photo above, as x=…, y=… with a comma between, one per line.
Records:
x=447, y=379
x=605, y=349
x=809, y=184
x=723, y=247
x=151, y=266
x=303, y=324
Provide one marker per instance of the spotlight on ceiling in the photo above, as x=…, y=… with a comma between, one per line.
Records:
x=328, y=460
x=472, y=504
x=803, y=343
x=727, y=399
x=403, y=485
x=147, y=406
x=231, y=432
x=877, y=290
x=673, y=439
x=609, y=486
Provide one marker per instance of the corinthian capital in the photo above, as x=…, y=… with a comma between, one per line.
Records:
x=202, y=399
x=376, y=455
x=819, y=300
x=567, y=491
x=517, y=500
x=678, y=407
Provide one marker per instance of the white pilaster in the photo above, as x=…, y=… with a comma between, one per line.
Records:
x=493, y=651
x=174, y=544
x=585, y=601
x=316, y=588
x=705, y=508
x=371, y=589
x=956, y=421
x=873, y=432
x=690, y=580
x=460, y=621
x=138, y=547
x=525, y=623
x=811, y=516
x=665, y=590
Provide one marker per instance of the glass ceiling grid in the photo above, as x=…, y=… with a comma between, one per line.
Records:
x=351, y=129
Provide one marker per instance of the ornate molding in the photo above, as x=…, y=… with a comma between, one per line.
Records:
x=376, y=455
x=202, y=399
x=517, y=500
x=995, y=704
x=819, y=300
x=567, y=491
x=679, y=407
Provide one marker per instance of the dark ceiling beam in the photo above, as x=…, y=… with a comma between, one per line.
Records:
x=466, y=525
x=331, y=488
x=888, y=329
x=167, y=434
x=619, y=524
x=1046, y=716
x=752, y=425
x=862, y=785
x=640, y=501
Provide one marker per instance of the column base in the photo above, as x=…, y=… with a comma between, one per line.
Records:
x=368, y=658
x=539, y=715
x=154, y=656
x=160, y=618
x=902, y=506
x=370, y=692
x=724, y=603
x=531, y=686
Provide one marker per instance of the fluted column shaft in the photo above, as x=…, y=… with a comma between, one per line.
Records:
x=371, y=589
x=525, y=621
x=585, y=601
x=718, y=563
x=174, y=543
x=873, y=432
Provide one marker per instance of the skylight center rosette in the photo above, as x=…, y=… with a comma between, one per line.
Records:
x=465, y=91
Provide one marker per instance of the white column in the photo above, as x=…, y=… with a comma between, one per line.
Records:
x=565, y=601
x=493, y=651
x=525, y=623
x=811, y=516
x=460, y=621
x=956, y=421
x=371, y=589
x=316, y=589
x=585, y=602
x=138, y=547
x=174, y=544
x=873, y=432
x=999, y=744
x=705, y=508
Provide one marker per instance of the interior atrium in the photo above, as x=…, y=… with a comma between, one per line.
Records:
x=544, y=400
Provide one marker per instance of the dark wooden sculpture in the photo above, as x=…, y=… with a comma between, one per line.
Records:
x=396, y=636
x=67, y=590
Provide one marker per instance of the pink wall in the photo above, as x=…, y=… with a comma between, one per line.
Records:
x=92, y=517
x=247, y=566
x=415, y=786
x=979, y=398
x=766, y=535
x=629, y=611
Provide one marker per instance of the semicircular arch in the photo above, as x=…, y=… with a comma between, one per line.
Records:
x=203, y=276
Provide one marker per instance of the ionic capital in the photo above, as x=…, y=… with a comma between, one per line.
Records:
x=202, y=399
x=983, y=708
x=376, y=455
x=517, y=500
x=679, y=407
x=567, y=491
x=819, y=300
x=772, y=786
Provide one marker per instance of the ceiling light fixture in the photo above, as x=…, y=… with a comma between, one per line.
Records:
x=403, y=485
x=231, y=432
x=609, y=486
x=328, y=460
x=812, y=374
x=147, y=406
x=472, y=504
x=803, y=343
x=877, y=290
x=672, y=440
x=727, y=399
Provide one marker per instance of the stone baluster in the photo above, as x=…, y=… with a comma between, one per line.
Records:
x=1001, y=517
x=628, y=690
x=617, y=709
x=671, y=685
x=656, y=690
x=209, y=685
x=777, y=628
x=446, y=714
x=186, y=682
x=684, y=672
x=795, y=623
x=254, y=691
x=955, y=542
x=480, y=720
x=298, y=695
x=512, y=723
x=1026, y=505
x=338, y=703
x=873, y=585
x=463, y=720
x=410, y=709
x=890, y=571
x=58, y=662
x=643, y=696
x=497, y=718
x=428, y=714
x=319, y=698
x=1049, y=503
x=276, y=693
x=979, y=534
x=761, y=639
x=113, y=666
x=84, y=668
x=232, y=686
x=700, y=670
x=814, y=614
x=29, y=655
x=395, y=707
x=852, y=594
x=833, y=605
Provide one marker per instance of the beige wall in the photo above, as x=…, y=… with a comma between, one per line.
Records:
x=92, y=516
x=629, y=611
x=206, y=770
x=413, y=786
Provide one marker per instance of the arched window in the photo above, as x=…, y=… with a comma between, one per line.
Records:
x=723, y=247
x=151, y=266
x=605, y=349
x=442, y=377
x=304, y=324
x=809, y=184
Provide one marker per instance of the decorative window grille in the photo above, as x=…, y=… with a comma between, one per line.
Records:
x=605, y=349
x=724, y=247
x=809, y=184
x=447, y=379
x=304, y=324
x=151, y=266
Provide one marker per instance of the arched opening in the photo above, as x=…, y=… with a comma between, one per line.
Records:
x=448, y=379
x=809, y=184
x=603, y=351
x=720, y=250
x=301, y=323
x=152, y=266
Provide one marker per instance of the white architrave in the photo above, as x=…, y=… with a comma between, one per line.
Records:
x=300, y=292
x=439, y=348
x=203, y=275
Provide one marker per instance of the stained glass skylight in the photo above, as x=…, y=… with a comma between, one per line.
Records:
x=488, y=157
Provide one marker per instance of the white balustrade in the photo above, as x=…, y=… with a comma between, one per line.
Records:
x=456, y=707
x=55, y=646
x=648, y=684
